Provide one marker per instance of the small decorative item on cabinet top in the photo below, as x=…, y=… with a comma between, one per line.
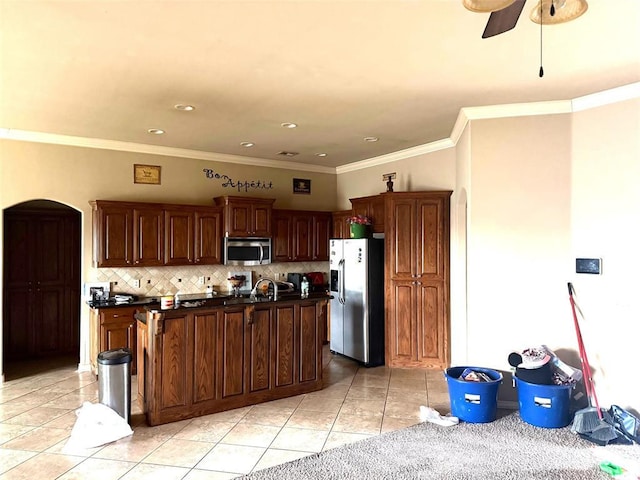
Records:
x=359, y=226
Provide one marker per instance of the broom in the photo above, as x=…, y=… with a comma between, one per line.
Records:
x=588, y=419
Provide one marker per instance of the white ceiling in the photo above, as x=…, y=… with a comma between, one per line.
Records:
x=342, y=70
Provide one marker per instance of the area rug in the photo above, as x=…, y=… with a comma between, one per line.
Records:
x=507, y=448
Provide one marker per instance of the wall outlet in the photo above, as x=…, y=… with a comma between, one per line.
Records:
x=201, y=280
x=136, y=283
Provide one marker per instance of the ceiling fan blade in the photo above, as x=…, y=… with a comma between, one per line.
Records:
x=503, y=20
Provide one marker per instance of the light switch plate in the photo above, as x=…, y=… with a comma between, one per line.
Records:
x=589, y=265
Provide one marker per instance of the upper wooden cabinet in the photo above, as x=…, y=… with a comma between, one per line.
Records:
x=149, y=234
x=373, y=207
x=340, y=228
x=246, y=217
x=112, y=234
x=192, y=235
x=301, y=236
x=417, y=279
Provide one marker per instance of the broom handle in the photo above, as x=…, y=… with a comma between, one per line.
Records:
x=586, y=367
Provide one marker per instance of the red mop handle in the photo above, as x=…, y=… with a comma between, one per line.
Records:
x=586, y=368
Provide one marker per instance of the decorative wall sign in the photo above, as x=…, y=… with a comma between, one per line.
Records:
x=301, y=185
x=241, y=185
x=149, y=174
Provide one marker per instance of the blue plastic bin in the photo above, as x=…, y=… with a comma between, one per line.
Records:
x=544, y=406
x=473, y=402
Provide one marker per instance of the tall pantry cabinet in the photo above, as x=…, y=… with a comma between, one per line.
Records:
x=417, y=279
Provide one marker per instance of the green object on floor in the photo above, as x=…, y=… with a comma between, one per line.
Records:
x=611, y=468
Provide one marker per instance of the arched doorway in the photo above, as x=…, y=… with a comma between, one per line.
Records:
x=41, y=287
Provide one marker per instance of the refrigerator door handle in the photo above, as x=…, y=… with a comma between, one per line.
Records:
x=341, y=298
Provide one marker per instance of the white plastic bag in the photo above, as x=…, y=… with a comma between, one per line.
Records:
x=97, y=425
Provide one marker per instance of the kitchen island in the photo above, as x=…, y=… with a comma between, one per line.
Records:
x=214, y=354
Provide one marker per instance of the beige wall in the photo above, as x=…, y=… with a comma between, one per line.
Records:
x=605, y=218
x=434, y=171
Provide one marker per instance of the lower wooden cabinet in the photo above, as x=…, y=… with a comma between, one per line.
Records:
x=112, y=328
x=205, y=360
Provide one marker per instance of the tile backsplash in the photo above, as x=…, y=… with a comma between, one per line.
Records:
x=155, y=281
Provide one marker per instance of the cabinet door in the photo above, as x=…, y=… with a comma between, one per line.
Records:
x=376, y=212
x=174, y=375
x=284, y=348
x=282, y=236
x=401, y=324
x=402, y=239
x=205, y=375
x=231, y=366
x=339, y=224
x=321, y=235
x=148, y=236
x=430, y=227
x=302, y=237
x=113, y=235
x=179, y=236
x=118, y=330
x=261, y=220
x=259, y=348
x=360, y=206
x=309, y=342
x=239, y=221
x=208, y=236
x=432, y=329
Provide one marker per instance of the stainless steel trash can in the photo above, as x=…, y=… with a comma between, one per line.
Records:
x=114, y=380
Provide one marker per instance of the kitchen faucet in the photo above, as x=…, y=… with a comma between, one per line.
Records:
x=254, y=292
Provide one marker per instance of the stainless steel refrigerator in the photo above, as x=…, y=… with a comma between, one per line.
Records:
x=356, y=268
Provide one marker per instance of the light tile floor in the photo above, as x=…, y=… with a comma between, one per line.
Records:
x=37, y=413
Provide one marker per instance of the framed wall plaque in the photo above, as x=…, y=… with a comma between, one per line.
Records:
x=149, y=174
x=301, y=185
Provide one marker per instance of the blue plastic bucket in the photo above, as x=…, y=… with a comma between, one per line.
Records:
x=473, y=402
x=544, y=406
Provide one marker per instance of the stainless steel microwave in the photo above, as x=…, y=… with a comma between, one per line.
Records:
x=247, y=251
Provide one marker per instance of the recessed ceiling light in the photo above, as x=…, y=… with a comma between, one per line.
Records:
x=247, y=144
x=155, y=131
x=321, y=154
x=370, y=139
x=184, y=108
x=289, y=125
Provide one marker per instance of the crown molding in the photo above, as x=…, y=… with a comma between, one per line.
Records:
x=396, y=156
x=607, y=97
x=99, y=143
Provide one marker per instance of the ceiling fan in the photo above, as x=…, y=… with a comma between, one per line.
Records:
x=505, y=13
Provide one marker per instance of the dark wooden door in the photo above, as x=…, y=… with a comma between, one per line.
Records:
x=302, y=237
x=113, y=224
x=41, y=281
x=282, y=236
x=259, y=348
x=208, y=236
x=321, y=235
x=178, y=236
x=309, y=343
x=118, y=330
x=231, y=361
x=284, y=345
x=148, y=236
